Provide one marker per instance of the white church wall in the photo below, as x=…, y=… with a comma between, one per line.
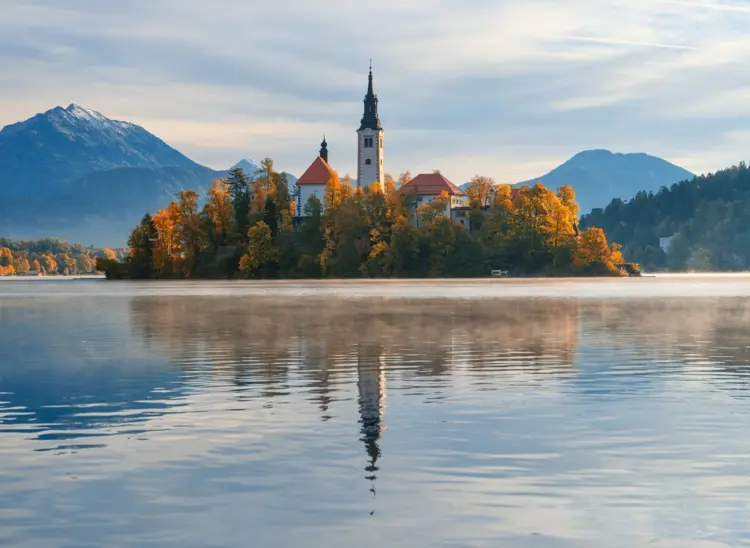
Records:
x=307, y=190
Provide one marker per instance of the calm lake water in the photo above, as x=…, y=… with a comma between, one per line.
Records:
x=582, y=413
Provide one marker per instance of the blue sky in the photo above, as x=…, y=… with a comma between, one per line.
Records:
x=506, y=88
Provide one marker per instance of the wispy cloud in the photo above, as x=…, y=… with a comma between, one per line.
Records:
x=615, y=42
x=505, y=87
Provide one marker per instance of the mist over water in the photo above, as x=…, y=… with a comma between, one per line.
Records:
x=402, y=413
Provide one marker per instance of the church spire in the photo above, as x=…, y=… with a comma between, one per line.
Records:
x=324, y=149
x=370, y=118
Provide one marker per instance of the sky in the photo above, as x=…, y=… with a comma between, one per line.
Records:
x=503, y=88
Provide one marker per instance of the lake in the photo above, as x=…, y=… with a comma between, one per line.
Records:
x=529, y=413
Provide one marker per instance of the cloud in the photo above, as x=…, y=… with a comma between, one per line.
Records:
x=494, y=86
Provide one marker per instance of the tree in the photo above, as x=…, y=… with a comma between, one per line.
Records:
x=7, y=266
x=219, y=210
x=141, y=243
x=480, y=191
x=407, y=250
x=239, y=187
x=438, y=207
x=21, y=264
x=48, y=264
x=190, y=232
x=593, y=256
x=167, y=252
x=403, y=179
x=261, y=255
x=271, y=216
x=108, y=254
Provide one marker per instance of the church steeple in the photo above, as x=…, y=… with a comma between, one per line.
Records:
x=324, y=149
x=370, y=118
x=370, y=142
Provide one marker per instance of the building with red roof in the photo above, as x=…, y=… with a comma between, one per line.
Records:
x=314, y=180
x=425, y=187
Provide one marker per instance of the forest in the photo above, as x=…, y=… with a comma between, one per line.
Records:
x=245, y=228
x=707, y=221
x=50, y=257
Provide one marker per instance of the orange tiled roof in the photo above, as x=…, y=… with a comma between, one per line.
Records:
x=317, y=174
x=431, y=184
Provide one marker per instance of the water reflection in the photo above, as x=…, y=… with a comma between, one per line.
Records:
x=61, y=383
x=544, y=421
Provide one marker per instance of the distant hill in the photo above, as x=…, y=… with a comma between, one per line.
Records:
x=701, y=224
x=75, y=174
x=246, y=165
x=251, y=168
x=599, y=176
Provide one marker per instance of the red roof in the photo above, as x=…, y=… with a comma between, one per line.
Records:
x=317, y=174
x=431, y=184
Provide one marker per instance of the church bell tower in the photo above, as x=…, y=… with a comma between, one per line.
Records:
x=370, y=142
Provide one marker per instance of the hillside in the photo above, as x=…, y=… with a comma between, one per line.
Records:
x=707, y=220
x=599, y=176
x=40, y=155
x=101, y=206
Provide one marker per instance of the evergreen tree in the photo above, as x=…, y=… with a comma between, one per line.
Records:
x=239, y=188
x=141, y=244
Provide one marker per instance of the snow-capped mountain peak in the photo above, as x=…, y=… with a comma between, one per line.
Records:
x=64, y=144
x=84, y=113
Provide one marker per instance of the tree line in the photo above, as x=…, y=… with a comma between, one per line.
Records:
x=706, y=221
x=246, y=228
x=50, y=257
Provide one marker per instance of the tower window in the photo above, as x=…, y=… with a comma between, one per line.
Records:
x=368, y=142
x=368, y=162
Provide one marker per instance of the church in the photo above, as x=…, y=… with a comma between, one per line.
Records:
x=370, y=168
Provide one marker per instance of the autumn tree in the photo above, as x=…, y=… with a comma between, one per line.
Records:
x=108, y=253
x=480, y=191
x=219, y=211
x=190, y=232
x=48, y=264
x=7, y=266
x=21, y=264
x=167, y=251
x=407, y=250
x=259, y=260
x=438, y=207
x=593, y=255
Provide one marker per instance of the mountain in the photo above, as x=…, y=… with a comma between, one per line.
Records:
x=599, y=176
x=251, y=168
x=102, y=207
x=246, y=165
x=42, y=154
x=75, y=174
x=700, y=224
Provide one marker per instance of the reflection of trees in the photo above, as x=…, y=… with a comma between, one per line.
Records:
x=265, y=344
x=256, y=342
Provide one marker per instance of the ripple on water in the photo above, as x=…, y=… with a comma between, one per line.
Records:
x=317, y=414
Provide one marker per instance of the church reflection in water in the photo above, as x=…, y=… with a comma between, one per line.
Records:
x=371, y=389
x=327, y=348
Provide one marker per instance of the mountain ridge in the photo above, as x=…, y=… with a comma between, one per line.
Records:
x=40, y=155
x=599, y=175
